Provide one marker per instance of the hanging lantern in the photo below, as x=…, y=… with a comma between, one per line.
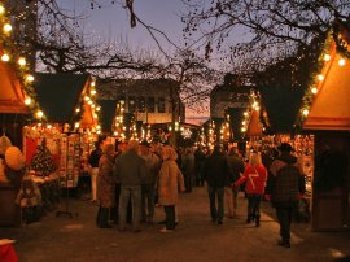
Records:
x=77, y=110
x=22, y=61
x=243, y=129
x=76, y=125
x=40, y=114
x=5, y=57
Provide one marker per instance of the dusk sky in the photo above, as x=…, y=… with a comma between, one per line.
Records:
x=111, y=20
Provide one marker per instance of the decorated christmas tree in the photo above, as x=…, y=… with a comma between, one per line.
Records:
x=42, y=161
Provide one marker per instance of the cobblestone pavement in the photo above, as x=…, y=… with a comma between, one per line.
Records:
x=195, y=239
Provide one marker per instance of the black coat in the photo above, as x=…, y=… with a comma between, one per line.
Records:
x=216, y=170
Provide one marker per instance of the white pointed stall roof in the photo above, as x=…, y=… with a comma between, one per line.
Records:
x=330, y=109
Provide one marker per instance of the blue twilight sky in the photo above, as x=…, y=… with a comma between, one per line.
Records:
x=111, y=21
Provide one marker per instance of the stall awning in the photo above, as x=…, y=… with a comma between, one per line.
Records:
x=11, y=92
x=59, y=94
x=330, y=109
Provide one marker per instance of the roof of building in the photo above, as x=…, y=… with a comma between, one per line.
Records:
x=11, y=95
x=107, y=114
x=330, y=108
x=58, y=94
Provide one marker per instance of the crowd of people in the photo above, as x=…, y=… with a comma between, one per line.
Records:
x=129, y=183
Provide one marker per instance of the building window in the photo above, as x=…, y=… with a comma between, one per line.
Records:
x=131, y=105
x=150, y=104
x=141, y=104
x=161, y=105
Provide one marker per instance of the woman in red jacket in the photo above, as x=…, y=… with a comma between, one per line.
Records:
x=255, y=176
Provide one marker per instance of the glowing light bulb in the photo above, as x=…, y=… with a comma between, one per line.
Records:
x=314, y=90
x=243, y=129
x=93, y=83
x=5, y=58
x=29, y=78
x=320, y=77
x=7, y=28
x=21, y=61
x=305, y=112
x=77, y=110
x=40, y=114
x=27, y=101
x=98, y=108
x=327, y=57
x=93, y=92
x=341, y=62
x=76, y=124
x=2, y=9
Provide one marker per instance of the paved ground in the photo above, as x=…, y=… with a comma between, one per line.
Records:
x=196, y=238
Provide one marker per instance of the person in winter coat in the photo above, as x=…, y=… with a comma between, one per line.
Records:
x=106, y=186
x=170, y=183
x=216, y=173
x=235, y=169
x=94, y=162
x=129, y=170
x=285, y=190
x=255, y=175
x=148, y=183
x=187, y=164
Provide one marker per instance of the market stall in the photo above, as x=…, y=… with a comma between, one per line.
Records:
x=326, y=114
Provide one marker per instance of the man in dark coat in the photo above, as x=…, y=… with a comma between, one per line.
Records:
x=129, y=170
x=216, y=173
x=285, y=190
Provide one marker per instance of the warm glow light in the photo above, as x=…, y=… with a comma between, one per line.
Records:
x=21, y=61
x=320, y=77
x=98, y=127
x=93, y=83
x=29, y=78
x=77, y=110
x=2, y=9
x=341, y=62
x=7, y=28
x=93, y=92
x=98, y=108
x=246, y=113
x=5, y=58
x=305, y=112
x=90, y=102
x=27, y=101
x=327, y=57
x=87, y=98
x=98, y=132
x=76, y=124
x=40, y=114
x=243, y=129
x=49, y=126
x=93, y=106
x=243, y=123
x=314, y=90
x=115, y=133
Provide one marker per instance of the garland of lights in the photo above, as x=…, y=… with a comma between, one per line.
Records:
x=317, y=79
x=9, y=54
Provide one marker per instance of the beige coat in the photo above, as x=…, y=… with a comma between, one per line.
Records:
x=170, y=178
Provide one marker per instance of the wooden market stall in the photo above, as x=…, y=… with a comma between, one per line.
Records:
x=327, y=115
x=13, y=113
x=68, y=102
